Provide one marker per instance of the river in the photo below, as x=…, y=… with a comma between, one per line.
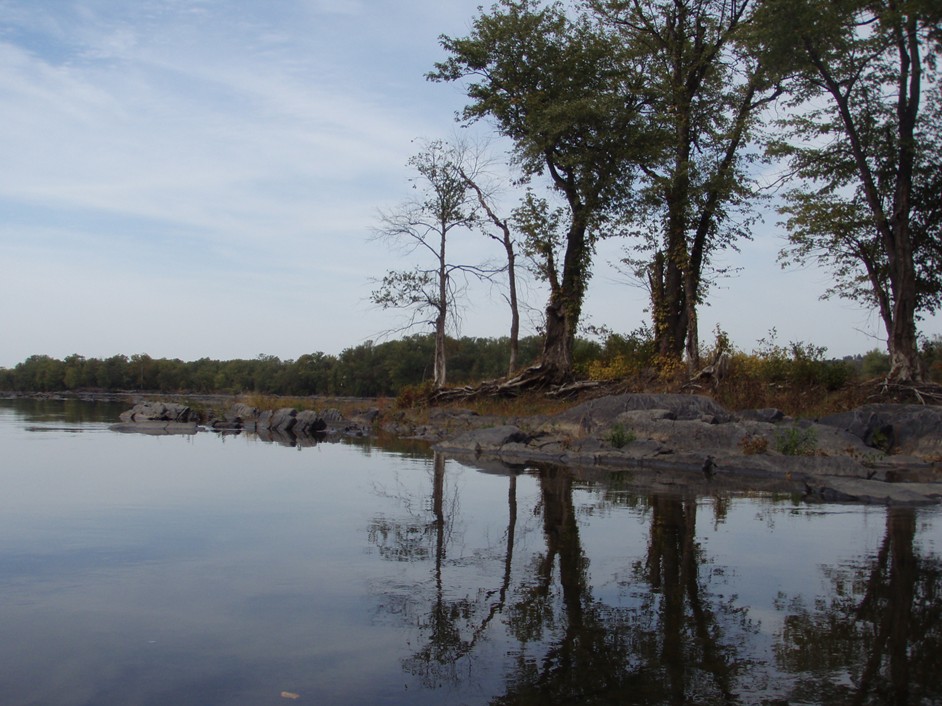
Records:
x=211, y=569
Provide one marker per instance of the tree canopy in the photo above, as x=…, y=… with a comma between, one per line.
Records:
x=863, y=137
x=572, y=103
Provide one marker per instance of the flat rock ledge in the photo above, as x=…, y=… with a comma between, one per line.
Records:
x=286, y=426
x=885, y=454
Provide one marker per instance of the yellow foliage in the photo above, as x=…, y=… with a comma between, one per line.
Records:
x=617, y=368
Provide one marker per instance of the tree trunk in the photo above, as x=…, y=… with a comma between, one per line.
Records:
x=556, y=360
x=442, y=318
x=892, y=224
x=668, y=303
x=565, y=305
x=514, y=310
x=507, y=241
x=439, y=374
x=693, y=333
x=905, y=363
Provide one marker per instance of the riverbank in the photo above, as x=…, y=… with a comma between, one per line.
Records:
x=875, y=453
x=878, y=453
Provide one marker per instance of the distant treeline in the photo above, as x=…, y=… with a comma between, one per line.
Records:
x=366, y=370
x=384, y=369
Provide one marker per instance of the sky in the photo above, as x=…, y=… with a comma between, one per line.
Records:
x=203, y=178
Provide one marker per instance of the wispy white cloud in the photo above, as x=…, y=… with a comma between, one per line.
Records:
x=228, y=155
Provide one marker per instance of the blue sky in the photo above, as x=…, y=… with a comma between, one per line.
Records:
x=190, y=178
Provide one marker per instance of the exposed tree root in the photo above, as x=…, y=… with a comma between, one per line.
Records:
x=536, y=378
x=926, y=393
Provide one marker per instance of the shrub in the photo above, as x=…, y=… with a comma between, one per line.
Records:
x=753, y=444
x=413, y=396
x=796, y=441
x=620, y=437
x=623, y=356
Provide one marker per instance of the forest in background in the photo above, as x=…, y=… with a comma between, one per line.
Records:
x=403, y=368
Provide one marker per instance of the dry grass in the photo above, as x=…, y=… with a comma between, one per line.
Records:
x=347, y=406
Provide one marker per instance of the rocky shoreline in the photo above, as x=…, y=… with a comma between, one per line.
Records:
x=879, y=453
x=286, y=425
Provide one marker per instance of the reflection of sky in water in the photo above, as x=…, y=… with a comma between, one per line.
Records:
x=204, y=569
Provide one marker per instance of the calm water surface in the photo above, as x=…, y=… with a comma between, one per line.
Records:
x=224, y=570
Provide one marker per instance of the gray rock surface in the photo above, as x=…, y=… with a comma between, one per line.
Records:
x=692, y=440
x=904, y=428
x=159, y=412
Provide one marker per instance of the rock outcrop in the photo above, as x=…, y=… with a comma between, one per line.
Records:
x=886, y=453
x=285, y=425
x=158, y=418
x=692, y=441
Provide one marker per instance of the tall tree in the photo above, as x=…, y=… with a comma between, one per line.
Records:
x=504, y=235
x=708, y=92
x=443, y=204
x=867, y=152
x=566, y=96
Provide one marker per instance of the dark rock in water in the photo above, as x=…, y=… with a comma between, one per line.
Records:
x=283, y=420
x=331, y=415
x=241, y=412
x=309, y=422
x=160, y=412
x=492, y=438
x=156, y=428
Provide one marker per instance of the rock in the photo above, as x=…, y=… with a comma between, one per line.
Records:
x=369, y=416
x=283, y=420
x=601, y=411
x=308, y=422
x=241, y=412
x=904, y=428
x=769, y=415
x=160, y=412
x=156, y=428
x=491, y=439
x=331, y=416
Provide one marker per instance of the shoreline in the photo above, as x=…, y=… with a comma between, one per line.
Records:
x=877, y=454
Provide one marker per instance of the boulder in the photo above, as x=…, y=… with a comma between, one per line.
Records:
x=589, y=416
x=160, y=412
x=309, y=422
x=904, y=428
x=283, y=420
x=241, y=412
x=769, y=415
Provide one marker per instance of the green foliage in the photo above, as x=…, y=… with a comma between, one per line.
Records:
x=619, y=436
x=862, y=139
x=796, y=441
x=932, y=357
x=414, y=396
x=572, y=102
x=874, y=364
x=698, y=195
x=623, y=355
x=798, y=364
x=366, y=370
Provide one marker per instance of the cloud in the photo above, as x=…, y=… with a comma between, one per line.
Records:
x=225, y=157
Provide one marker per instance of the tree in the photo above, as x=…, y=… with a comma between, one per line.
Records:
x=506, y=239
x=866, y=146
x=708, y=91
x=565, y=94
x=443, y=205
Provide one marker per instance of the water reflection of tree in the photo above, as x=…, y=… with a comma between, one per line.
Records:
x=669, y=648
x=451, y=625
x=670, y=641
x=878, y=639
